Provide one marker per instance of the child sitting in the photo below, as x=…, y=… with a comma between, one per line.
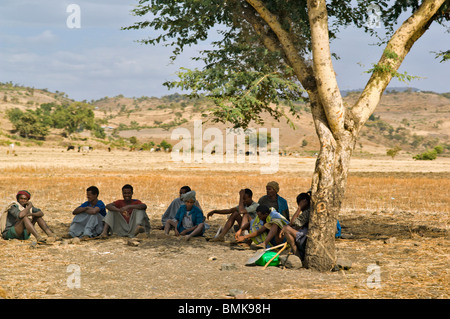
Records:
x=189, y=220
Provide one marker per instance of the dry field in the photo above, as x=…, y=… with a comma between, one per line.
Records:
x=395, y=219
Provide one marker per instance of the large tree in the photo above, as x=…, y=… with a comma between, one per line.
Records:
x=73, y=117
x=264, y=56
x=28, y=123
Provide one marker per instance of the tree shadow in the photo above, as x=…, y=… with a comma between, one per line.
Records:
x=383, y=228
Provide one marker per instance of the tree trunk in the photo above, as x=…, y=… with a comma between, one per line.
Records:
x=338, y=128
x=336, y=125
x=328, y=189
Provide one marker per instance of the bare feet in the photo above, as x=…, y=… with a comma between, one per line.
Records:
x=262, y=245
x=40, y=240
x=139, y=229
x=217, y=239
x=102, y=236
x=244, y=245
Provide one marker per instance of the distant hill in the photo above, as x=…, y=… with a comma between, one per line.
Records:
x=406, y=117
x=388, y=90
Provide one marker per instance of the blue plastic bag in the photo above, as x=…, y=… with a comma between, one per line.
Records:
x=338, y=230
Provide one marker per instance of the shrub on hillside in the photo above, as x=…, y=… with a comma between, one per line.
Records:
x=393, y=151
x=426, y=156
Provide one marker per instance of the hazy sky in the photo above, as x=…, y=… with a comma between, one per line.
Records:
x=38, y=49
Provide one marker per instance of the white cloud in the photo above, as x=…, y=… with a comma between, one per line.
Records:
x=37, y=49
x=29, y=41
x=92, y=73
x=45, y=37
x=17, y=59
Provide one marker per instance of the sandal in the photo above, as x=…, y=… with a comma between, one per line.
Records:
x=41, y=241
x=244, y=245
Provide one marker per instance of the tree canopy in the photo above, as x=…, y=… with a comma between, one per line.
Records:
x=71, y=118
x=252, y=66
x=28, y=124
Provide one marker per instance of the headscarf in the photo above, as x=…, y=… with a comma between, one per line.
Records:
x=274, y=185
x=23, y=192
x=188, y=196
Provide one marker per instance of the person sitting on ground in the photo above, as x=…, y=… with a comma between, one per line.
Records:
x=295, y=232
x=88, y=220
x=275, y=201
x=126, y=217
x=19, y=218
x=172, y=210
x=265, y=229
x=189, y=220
x=242, y=214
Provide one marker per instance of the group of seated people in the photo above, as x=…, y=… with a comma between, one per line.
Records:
x=264, y=223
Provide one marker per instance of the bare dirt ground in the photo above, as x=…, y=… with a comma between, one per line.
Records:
x=395, y=222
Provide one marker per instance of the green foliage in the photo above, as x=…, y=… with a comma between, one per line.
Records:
x=72, y=118
x=388, y=69
x=28, y=123
x=444, y=55
x=174, y=123
x=258, y=136
x=98, y=131
x=119, y=142
x=430, y=154
x=147, y=146
x=439, y=149
x=243, y=75
x=426, y=156
x=241, y=96
x=164, y=145
x=381, y=125
x=417, y=140
x=134, y=125
x=14, y=114
x=393, y=151
x=133, y=140
x=446, y=95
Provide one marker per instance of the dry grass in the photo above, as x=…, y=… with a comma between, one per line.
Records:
x=411, y=209
x=419, y=194
x=416, y=195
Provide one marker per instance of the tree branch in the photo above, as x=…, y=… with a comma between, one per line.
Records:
x=323, y=67
x=294, y=59
x=302, y=70
x=269, y=41
x=395, y=52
